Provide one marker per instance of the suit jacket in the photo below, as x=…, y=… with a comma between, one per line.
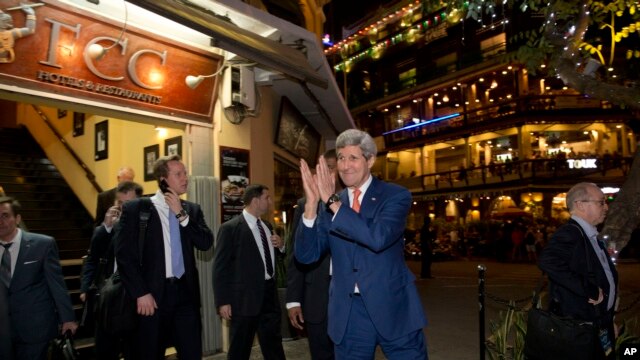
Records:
x=367, y=248
x=238, y=269
x=564, y=259
x=98, y=251
x=38, y=297
x=308, y=284
x=150, y=277
x=106, y=199
x=5, y=326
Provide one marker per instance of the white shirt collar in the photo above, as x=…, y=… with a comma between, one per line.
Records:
x=16, y=239
x=363, y=188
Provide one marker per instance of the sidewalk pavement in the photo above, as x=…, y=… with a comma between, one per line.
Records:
x=451, y=303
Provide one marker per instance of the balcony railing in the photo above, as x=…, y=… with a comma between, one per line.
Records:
x=500, y=115
x=523, y=170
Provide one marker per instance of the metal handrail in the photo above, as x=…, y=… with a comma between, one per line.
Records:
x=522, y=169
x=90, y=175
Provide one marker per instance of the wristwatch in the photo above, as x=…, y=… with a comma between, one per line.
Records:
x=332, y=199
x=182, y=213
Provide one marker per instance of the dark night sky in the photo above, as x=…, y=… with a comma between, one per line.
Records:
x=346, y=12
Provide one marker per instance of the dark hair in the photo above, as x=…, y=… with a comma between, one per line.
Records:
x=126, y=186
x=252, y=191
x=161, y=167
x=330, y=154
x=15, y=206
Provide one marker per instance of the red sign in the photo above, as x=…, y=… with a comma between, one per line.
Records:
x=47, y=50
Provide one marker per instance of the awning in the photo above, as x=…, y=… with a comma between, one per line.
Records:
x=300, y=73
x=230, y=37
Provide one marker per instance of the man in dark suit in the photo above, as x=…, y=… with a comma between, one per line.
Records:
x=574, y=252
x=106, y=198
x=308, y=287
x=37, y=295
x=164, y=278
x=244, y=286
x=373, y=299
x=99, y=265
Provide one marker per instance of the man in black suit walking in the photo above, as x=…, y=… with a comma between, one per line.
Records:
x=244, y=286
x=308, y=287
x=99, y=265
x=583, y=280
x=164, y=278
x=108, y=197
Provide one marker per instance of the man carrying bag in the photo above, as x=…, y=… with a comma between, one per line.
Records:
x=583, y=280
x=100, y=284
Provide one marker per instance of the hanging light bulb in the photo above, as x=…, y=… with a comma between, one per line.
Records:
x=97, y=51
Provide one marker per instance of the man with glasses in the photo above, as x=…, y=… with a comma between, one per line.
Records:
x=583, y=280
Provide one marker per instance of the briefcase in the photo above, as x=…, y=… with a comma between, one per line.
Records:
x=63, y=348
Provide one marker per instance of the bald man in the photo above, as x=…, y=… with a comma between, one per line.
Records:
x=107, y=198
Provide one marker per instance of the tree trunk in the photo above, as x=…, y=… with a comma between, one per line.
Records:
x=624, y=213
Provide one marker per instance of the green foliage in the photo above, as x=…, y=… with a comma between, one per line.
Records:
x=507, y=335
x=625, y=337
x=614, y=21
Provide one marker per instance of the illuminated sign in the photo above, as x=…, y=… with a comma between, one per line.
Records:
x=141, y=72
x=582, y=163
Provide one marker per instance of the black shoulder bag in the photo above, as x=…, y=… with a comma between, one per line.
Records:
x=550, y=336
x=117, y=310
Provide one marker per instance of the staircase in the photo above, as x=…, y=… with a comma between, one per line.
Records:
x=49, y=205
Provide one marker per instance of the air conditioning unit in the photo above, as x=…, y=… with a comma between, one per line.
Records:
x=238, y=88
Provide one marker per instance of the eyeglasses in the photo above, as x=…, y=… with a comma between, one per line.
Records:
x=601, y=202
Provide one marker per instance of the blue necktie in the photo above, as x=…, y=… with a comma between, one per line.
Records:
x=177, y=262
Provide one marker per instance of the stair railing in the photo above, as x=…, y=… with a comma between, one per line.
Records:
x=90, y=175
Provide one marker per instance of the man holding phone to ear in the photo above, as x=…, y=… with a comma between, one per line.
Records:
x=164, y=280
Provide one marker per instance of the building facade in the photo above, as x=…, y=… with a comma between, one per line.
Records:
x=469, y=132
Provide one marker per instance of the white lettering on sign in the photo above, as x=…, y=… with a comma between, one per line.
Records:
x=83, y=84
x=630, y=351
x=582, y=163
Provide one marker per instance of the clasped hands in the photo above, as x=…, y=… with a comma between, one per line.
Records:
x=318, y=186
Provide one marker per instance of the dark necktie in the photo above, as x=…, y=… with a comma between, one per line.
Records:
x=267, y=252
x=5, y=266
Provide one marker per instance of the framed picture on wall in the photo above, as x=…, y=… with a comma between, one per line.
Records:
x=102, y=140
x=295, y=133
x=78, y=124
x=151, y=154
x=173, y=146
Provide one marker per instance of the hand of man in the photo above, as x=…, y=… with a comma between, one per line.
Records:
x=112, y=216
x=277, y=241
x=295, y=317
x=173, y=200
x=69, y=326
x=600, y=298
x=225, y=312
x=326, y=180
x=146, y=305
x=83, y=297
x=310, y=190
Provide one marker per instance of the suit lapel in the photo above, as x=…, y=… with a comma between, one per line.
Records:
x=370, y=199
x=25, y=246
